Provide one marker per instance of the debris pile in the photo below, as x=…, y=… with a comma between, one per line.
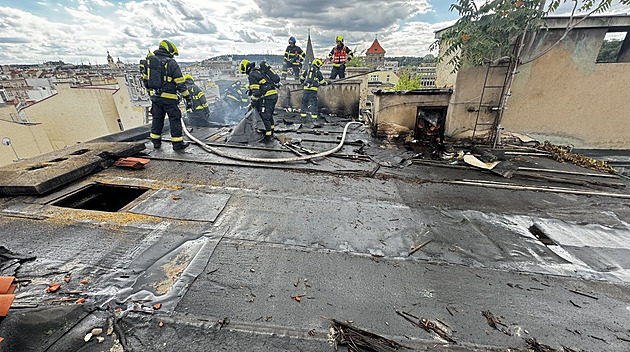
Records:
x=563, y=154
x=359, y=340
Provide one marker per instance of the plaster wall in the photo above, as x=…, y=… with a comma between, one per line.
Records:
x=401, y=108
x=564, y=96
x=75, y=115
x=130, y=115
x=341, y=98
x=27, y=140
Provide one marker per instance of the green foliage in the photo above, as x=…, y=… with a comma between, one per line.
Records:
x=408, y=81
x=485, y=33
x=609, y=51
x=357, y=61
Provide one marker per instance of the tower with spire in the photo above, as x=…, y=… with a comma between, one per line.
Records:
x=375, y=55
x=310, y=55
x=110, y=60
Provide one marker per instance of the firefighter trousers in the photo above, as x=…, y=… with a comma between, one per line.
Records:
x=338, y=71
x=161, y=107
x=293, y=66
x=309, y=103
x=266, y=106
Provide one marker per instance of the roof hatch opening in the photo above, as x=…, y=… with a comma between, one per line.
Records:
x=101, y=197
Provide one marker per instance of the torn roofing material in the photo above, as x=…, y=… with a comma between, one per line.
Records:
x=225, y=247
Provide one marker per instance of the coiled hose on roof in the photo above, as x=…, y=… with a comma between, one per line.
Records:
x=210, y=149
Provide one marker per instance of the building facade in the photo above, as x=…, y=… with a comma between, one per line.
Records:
x=565, y=96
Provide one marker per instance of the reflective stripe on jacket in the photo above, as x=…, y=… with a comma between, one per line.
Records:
x=294, y=54
x=173, y=80
x=259, y=85
x=312, y=78
x=340, y=56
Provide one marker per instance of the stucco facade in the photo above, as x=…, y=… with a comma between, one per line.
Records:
x=27, y=140
x=565, y=96
x=84, y=113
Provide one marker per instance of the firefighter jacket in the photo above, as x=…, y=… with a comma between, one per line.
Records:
x=294, y=55
x=237, y=92
x=312, y=78
x=198, y=97
x=173, y=81
x=339, y=55
x=260, y=86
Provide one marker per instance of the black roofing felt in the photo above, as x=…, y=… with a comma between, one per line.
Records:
x=336, y=235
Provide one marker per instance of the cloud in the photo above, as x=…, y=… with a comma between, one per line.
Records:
x=13, y=40
x=366, y=15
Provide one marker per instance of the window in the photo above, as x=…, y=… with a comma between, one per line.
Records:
x=120, y=125
x=374, y=78
x=387, y=78
x=615, y=48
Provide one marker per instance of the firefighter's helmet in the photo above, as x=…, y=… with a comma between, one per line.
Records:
x=317, y=63
x=170, y=47
x=292, y=40
x=245, y=66
x=339, y=39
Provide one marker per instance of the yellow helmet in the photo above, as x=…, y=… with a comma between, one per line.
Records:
x=244, y=66
x=339, y=39
x=317, y=63
x=170, y=47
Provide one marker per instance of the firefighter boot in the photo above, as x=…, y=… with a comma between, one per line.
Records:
x=179, y=146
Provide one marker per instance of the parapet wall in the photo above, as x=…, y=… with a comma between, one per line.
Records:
x=341, y=98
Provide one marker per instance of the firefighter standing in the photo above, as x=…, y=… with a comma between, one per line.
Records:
x=293, y=57
x=339, y=56
x=198, y=112
x=263, y=94
x=165, y=100
x=311, y=79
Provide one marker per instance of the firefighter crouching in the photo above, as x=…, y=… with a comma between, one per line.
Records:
x=235, y=101
x=165, y=100
x=196, y=107
x=263, y=92
x=311, y=79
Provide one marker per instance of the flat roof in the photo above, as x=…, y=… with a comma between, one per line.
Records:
x=219, y=253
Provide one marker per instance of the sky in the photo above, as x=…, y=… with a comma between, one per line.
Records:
x=83, y=31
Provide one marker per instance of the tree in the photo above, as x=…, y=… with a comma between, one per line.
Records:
x=357, y=61
x=407, y=82
x=485, y=33
x=609, y=51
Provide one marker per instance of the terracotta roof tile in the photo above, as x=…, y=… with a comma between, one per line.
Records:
x=376, y=48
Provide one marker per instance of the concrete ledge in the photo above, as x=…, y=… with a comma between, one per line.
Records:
x=49, y=171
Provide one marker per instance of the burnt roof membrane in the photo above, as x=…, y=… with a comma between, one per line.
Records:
x=228, y=254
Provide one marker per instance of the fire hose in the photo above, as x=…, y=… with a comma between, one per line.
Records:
x=210, y=149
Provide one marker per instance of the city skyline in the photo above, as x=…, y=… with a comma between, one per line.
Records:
x=82, y=31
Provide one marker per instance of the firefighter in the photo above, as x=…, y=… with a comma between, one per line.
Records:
x=311, y=79
x=197, y=111
x=293, y=57
x=236, y=95
x=165, y=100
x=236, y=100
x=263, y=94
x=339, y=56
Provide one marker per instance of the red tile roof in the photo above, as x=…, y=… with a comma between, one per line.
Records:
x=376, y=48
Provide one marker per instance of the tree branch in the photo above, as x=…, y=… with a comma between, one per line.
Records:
x=568, y=29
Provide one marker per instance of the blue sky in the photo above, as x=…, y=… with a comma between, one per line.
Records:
x=84, y=30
